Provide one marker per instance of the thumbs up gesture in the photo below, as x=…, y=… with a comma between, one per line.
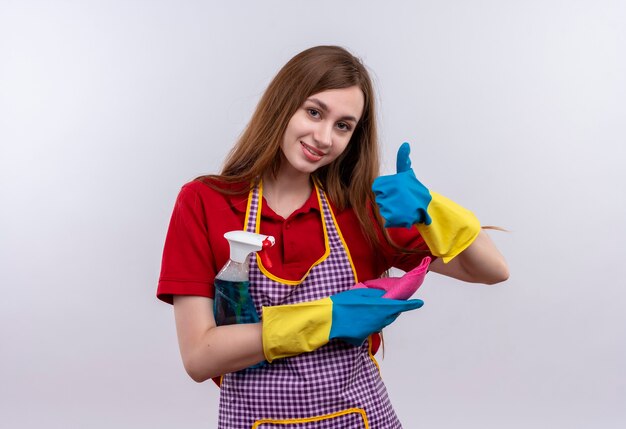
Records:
x=447, y=228
x=402, y=199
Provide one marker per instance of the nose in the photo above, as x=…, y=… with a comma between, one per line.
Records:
x=323, y=135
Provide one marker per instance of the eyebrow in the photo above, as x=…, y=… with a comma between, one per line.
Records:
x=324, y=106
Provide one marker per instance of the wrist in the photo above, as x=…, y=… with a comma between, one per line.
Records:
x=289, y=330
x=452, y=230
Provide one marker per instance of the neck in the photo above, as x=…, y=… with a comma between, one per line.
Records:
x=286, y=192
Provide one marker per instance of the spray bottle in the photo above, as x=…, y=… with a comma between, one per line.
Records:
x=233, y=303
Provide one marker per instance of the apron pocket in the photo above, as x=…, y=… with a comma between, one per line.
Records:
x=352, y=418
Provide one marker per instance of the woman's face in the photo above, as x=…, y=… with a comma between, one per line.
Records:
x=321, y=128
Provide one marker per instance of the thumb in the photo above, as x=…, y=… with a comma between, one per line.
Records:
x=412, y=304
x=403, y=163
x=396, y=305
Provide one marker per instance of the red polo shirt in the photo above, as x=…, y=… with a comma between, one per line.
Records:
x=195, y=248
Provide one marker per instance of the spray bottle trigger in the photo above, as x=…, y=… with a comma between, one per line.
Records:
x=267, y=262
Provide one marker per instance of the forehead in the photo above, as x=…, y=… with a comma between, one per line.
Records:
x=341, y=102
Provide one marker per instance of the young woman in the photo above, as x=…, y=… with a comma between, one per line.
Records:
x=304, y=171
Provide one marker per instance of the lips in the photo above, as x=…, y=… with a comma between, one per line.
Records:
x=312, y=153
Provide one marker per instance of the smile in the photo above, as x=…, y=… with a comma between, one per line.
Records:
x=312, y=153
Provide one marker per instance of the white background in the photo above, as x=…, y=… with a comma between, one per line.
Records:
x=515, y=109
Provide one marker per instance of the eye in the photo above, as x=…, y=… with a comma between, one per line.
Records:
x=344, y=126
x=313, y=112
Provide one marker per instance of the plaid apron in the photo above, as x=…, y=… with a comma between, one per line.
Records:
x=337, y=386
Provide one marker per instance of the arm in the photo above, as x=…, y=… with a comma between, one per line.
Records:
x=452, y=233
x=208, y=350
x=287, y=330
x=481, y=262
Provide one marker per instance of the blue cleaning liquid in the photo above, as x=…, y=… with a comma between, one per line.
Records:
x=233, y=303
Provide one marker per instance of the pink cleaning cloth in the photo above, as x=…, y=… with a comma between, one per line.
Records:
x=399, y=287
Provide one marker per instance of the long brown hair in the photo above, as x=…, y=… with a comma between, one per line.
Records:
x=348, y=180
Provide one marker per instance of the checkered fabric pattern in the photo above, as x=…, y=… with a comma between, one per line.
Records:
x=334, y=378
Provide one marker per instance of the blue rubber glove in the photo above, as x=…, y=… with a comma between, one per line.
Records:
x=402, y=199
x=358, y=315
x=447, y=228
x=351, y=316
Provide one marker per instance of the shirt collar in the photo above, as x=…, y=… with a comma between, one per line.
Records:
x=240, y=203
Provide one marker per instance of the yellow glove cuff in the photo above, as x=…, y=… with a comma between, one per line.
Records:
x=452, y=230
x=289, y=330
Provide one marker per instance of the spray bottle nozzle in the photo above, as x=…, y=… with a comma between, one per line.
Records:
x=242, y=243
